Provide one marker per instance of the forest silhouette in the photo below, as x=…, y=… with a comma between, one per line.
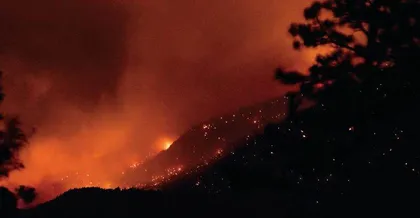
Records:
x=354, y=151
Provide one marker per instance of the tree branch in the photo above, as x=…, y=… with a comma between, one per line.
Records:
x=342, y=45
x=331, y=40
x=363, y=29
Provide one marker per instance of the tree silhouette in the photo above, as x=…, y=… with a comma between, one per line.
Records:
x=12, y=139
x=366, y=94
x=27, y=194
x=373, y=43
x=8, y=203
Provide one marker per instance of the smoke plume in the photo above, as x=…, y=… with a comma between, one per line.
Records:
x=104, y=81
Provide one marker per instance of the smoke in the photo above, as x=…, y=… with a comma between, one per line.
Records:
x=104, y=81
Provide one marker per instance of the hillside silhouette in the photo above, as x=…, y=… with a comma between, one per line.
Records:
x=205, y=142
x=96, y=202
x=316, y=167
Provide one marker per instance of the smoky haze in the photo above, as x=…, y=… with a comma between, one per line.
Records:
x=105, y=81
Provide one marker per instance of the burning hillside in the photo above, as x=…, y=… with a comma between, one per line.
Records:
x=202, y=143
x=196, y=148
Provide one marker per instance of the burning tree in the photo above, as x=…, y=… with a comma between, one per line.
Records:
x=375, y=44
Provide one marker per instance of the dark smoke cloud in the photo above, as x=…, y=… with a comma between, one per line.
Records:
x=78, y=46
x=115, y=77
x=208, y=57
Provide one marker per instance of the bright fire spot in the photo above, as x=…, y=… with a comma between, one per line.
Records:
x=164, y=143
x=167, y=145
x=319, y=85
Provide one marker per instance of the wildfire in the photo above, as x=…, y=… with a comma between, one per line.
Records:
x=91, y=171
x=167, y=145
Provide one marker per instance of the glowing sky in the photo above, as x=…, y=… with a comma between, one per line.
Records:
x=105, y=81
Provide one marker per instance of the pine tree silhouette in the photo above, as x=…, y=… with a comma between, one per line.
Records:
x=361, y=134
x=374, y=43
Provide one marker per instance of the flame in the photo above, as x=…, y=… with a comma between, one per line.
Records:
x=167, y=144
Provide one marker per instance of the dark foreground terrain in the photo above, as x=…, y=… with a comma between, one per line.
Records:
x=95, y=202
x=314, y=165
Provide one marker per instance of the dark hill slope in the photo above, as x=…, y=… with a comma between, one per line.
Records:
x=320, y=165
x=205, y=140
x=323, y=164
x=316, y=166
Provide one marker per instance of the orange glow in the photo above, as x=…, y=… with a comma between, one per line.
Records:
x=164, y=143
x=103, y=92
x=167, y=144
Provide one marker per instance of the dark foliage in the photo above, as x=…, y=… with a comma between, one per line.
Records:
x=12, y=140
x=27, y=194
x=374, y=43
